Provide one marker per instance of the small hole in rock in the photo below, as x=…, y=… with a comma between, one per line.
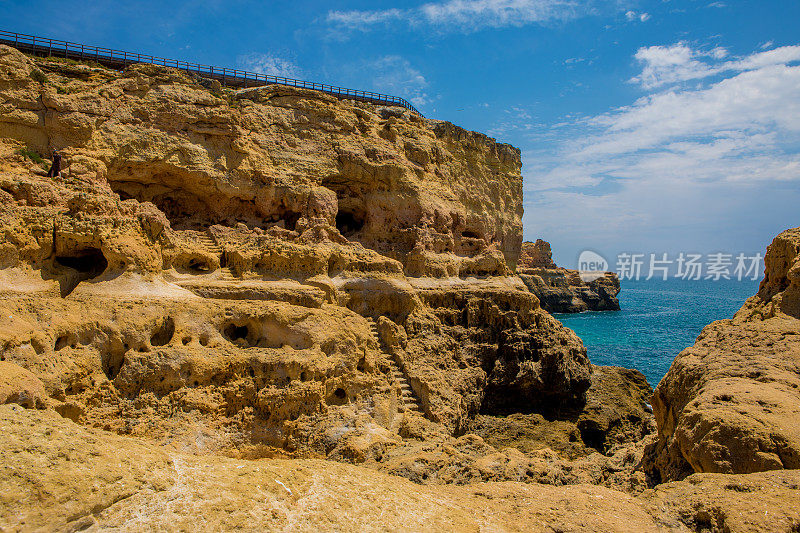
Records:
x=163, y=334
x=340, y=393
x=86, y=261
x=234, y=332
x=61, y=343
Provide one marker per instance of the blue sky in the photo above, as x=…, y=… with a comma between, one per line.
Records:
x=649, y=126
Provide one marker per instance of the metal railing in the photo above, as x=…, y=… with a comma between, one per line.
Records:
x=118, y=59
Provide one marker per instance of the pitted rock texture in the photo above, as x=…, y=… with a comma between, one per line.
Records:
x=273, y=274
x=731, y=402
x=561, y=290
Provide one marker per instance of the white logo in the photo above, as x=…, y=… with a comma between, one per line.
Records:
x=591, y=265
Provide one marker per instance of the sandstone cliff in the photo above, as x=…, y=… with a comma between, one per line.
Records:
x=285, y=269
x=561, y=290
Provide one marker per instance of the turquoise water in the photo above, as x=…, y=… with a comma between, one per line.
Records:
x=658, y=319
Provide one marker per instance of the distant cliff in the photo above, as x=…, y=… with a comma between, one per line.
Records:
x=561, y=290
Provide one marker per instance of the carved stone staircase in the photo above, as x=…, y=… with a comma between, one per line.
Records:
x=408, y=399
x=208, y=243
x=223, y=273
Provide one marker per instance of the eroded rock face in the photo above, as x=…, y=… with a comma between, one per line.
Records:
x=536, y=255
x=92, y=479
x=731, y=402
x=442, y=200
x=288, y=271
x=561, y=290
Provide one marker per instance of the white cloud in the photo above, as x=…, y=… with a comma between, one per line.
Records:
x=633, y=15
x=268, y=64
x=686, y=157
x=463, y=15
x=664, y=65
x=395, y=75
x=364, y=18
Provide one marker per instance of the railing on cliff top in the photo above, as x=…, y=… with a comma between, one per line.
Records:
x=117, y=59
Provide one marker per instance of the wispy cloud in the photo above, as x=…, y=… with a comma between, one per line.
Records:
x=463, y=15
x=265, y=63
x=664, y=65
x=395, y=75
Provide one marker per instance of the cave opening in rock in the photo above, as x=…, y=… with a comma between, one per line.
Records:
x=198, y=265
x=350, y=222
x=75, y=266
x=592, y=435
x=290, y=219
x=87, y=261
x=112, y=364
x=470, y=234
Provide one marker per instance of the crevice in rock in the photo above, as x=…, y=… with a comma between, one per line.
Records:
x=112, y=364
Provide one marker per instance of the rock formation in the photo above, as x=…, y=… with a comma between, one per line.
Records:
x=731, y=402
x=223, y=288
x=561, y=290
x=264, y=262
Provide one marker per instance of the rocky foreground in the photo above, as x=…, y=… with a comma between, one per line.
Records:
x=270, y=308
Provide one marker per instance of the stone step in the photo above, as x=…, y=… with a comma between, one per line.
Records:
x=225, y=273
x=208, y=243
x=408, y=399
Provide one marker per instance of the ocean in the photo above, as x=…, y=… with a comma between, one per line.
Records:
x=658, y=319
